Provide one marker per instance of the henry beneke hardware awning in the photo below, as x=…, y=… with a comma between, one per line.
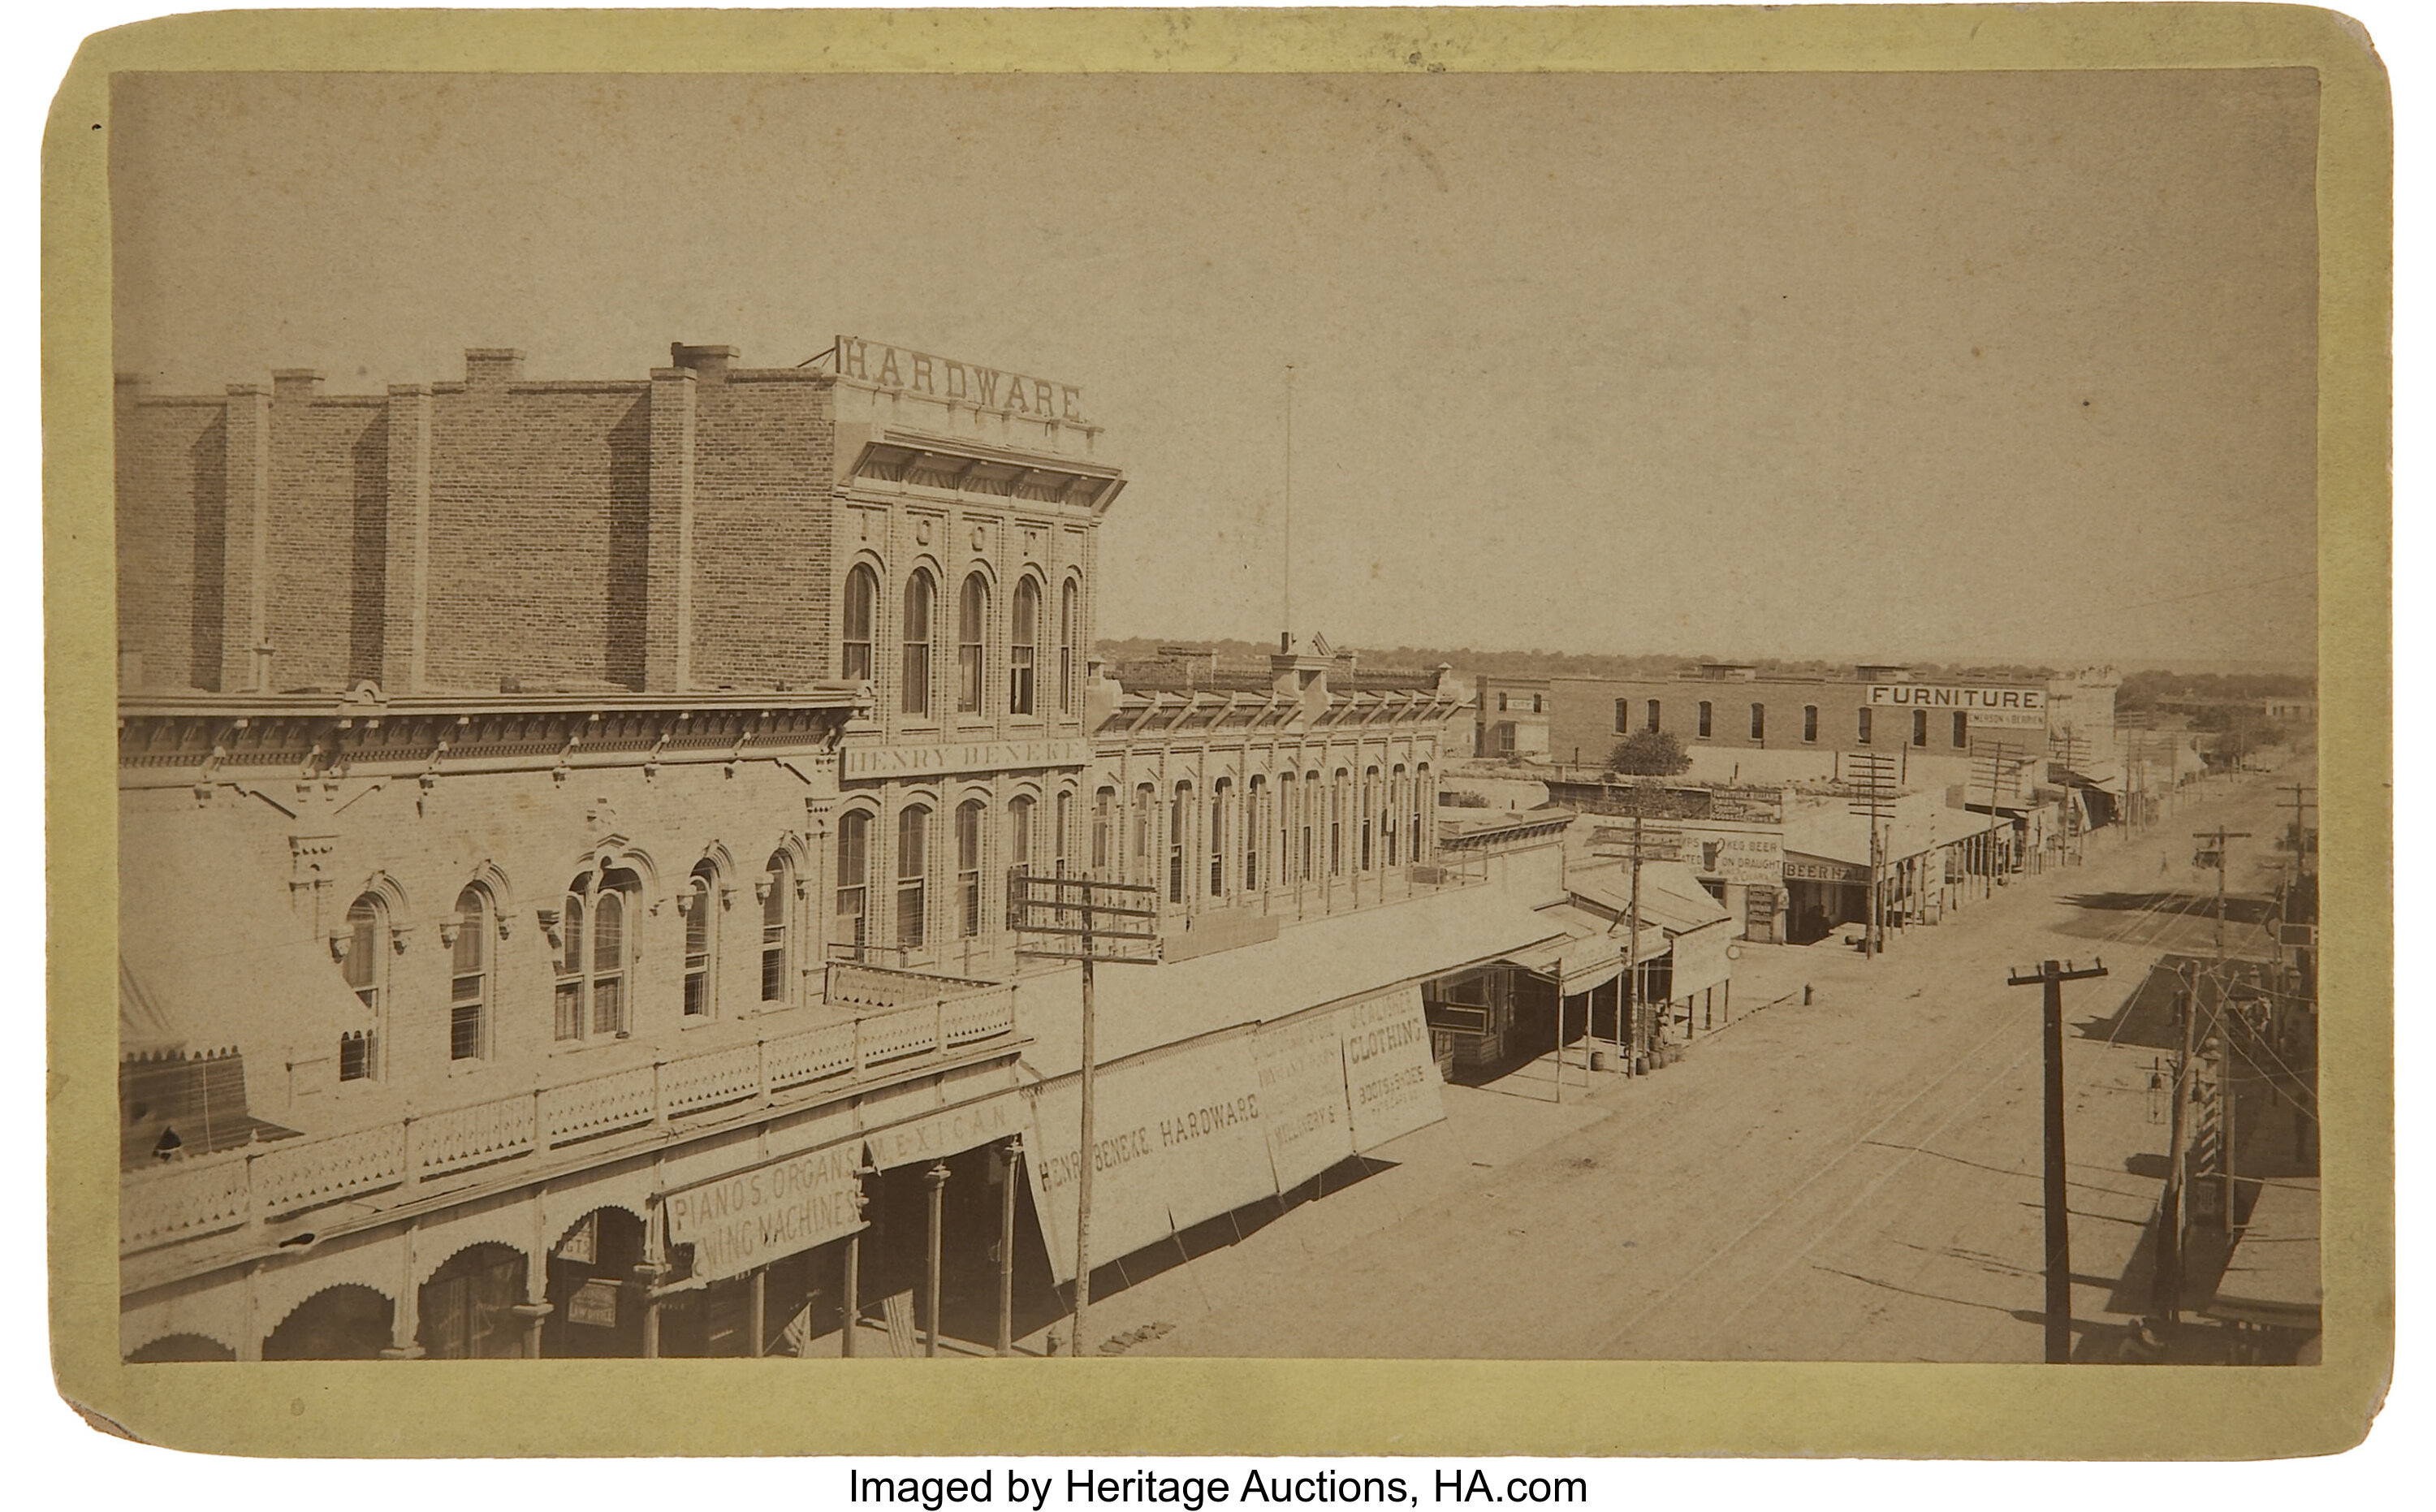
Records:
x=1237, y=1076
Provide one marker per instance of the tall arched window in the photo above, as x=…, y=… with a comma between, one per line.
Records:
x=861, y=605
x=366, y=964
x=1145, y=801
x=1070, y=618
x=1180, y=819
x=915, y=698
x=1255, y=832
x=701, y=907
x=1286, y=797
x=853, y=879
x=1424, y=808
x=1104, y=806
x=1396, y=797
x=1369, y=797
x=1064, y=831
x=1018, y=832
x=1338, y=798
x=912, y=867
x=595, y=957
x=1310, y=796
x=777, y=914
x=1219, y=792
x=1023, y=648
x=469, y=978
x=972, y=620
x=968, y=869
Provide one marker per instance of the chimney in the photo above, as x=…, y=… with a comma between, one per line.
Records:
x=294, y=384
x=490, y=367
x=709, y=363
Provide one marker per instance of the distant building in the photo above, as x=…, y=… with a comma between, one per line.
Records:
x=1511, y=719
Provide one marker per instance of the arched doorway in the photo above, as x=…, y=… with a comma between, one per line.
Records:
x=595, y=1305
x=180, y=1347
x=348, y=1322
x=466, y=1312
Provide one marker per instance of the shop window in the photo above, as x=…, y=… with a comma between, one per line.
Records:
x=701, y=908
x=366, y=964
x=1961, y=730
x=777, y=913
x=1023, y=647
x=972, y=621
x=594, y=958
x=1919, y=726
x=1861, y=727
x=469, y=976
x=861, y=601
x=968, y=869
x=1701, y=728
x=1810, y=722
x=853, y=879
x=1759, y=722
x=1069, y=624
x=912, y=868
x=915, y=696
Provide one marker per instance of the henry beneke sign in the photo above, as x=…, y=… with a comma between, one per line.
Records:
x=2009, y=708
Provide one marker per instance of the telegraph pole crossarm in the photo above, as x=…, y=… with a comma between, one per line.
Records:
x=1093, y=921
x=2051, y=975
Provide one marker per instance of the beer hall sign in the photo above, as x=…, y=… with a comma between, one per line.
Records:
x=937, y=378
x=1989, y=708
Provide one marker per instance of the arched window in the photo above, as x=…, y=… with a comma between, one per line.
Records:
x=595, y=957
x=1180, y=819
x=1219, y=792
x=968, y=869
x=1286, y=872
x=1070, y=618
x=700, y=906
x=1425, y=805
x=915, y=698
x=853, y=878
x=1256, y=831
x=861, y=605
x=1104, y=814
x=777, y=913
x=1146, y=800
x=912, y=867
x=1309, y=823
x=1369, y=795
x=1023, y=648
x=972, y=618
x=469, y=978
x=1336, y=804
x=1397, y=795
x=1018, y=833
x=1064, y=831
x=366, y=964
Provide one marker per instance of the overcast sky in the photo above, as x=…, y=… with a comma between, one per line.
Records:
x=1952, y=367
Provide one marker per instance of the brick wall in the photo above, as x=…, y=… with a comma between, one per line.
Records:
x=171, y=492
x=762, y=481
x=329, y=472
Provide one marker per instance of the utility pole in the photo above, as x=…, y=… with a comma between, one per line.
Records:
x=1875, y=777
x=1640, y=845
x=2052, y=977
x=2002, y=764
x=2299, y=807
x=2219, y=836
x=1105, y=921
x=2167, y=1294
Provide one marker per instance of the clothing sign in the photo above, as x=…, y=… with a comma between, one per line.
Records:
x=1301, y=1063
x=1388, y=1067
x=2003, y=708
x=1176, y=1138
x=767, y=1214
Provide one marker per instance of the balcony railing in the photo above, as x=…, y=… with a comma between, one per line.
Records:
x=900, y=1018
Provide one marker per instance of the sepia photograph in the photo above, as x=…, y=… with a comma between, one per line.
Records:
x=1302, y=714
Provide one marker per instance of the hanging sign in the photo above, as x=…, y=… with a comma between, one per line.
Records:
x=767, y=1214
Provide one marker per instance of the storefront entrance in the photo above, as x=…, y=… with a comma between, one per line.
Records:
x=596, y=1303
x=466, y=1312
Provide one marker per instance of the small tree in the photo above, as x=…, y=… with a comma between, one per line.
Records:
x=1649, y=754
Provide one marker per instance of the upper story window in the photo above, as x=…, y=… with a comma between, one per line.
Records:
x=1759, y=722
x=1705, y=714
x=701, y=908
x=469, y=978
x=912, y=870
x=853, y=878
x=1254, y=796
x=1064, y=827
x=972, y=620
x=862, y=607
x=1018, y=833
x=1070, y=626
x=1219, y=792
x=1180, y=819
x=1810, y=722
x=915, y=698
x=1537, y=704
x=1023, y=648
x=1145, y=798
x=1652, y=711
x=1861, y=726
x=1104, y=804
x=1961, y=729
x=1919, y=726
x=595, y=958
x=366, y=964
x=777, y=913
x=1623, y=716
x=968, y=869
